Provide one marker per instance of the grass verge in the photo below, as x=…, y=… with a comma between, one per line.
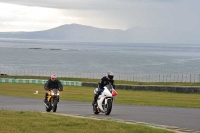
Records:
x=36, y=122
x=85, y=94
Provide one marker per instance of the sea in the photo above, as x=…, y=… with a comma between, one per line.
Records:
x=96, y=57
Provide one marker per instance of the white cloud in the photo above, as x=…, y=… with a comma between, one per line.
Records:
x=24, y=18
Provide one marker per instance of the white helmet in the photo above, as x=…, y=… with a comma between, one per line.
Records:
x=53, y=77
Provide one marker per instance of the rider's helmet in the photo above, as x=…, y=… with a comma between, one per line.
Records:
x=110, y=75
x=53, y=77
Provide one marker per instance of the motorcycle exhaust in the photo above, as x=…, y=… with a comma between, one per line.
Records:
x=46, y=105
x=98, y=109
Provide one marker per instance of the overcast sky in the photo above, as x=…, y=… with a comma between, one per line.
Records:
x=35, y=15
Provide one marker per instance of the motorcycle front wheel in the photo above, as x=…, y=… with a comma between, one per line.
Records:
x=55, y=102
x=108, y=107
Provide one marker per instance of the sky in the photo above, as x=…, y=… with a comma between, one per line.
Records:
x=36, y=15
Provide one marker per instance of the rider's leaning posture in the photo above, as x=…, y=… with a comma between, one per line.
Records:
x=103, y=82
x=52, y=83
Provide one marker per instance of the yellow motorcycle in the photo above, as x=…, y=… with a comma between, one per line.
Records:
x=52, y=100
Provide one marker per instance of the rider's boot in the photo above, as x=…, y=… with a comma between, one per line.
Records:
x=45, y=99
x=95, y=100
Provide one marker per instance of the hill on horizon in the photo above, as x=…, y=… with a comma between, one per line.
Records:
x=83, y=33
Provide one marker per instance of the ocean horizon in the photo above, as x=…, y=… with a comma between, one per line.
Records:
x=121, y=58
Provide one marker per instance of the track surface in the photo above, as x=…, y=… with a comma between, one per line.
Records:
x=188, y=118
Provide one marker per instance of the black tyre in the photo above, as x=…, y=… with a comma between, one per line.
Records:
x=55, y=102
x=108, y=107
x=48, y=109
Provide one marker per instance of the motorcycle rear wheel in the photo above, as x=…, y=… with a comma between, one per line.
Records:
x=95, y=110
x=48, y=109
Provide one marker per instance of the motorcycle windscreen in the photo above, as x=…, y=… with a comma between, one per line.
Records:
x=114, y=93
x=55, y=91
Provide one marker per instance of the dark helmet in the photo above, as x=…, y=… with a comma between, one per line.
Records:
x=110, y=75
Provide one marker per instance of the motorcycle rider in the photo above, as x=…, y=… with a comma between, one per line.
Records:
x=52, y=83
x=103, y=82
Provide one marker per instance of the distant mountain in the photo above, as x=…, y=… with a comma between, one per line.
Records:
x=82, y=33
x=72, y=32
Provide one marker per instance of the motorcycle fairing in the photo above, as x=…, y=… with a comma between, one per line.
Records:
x=105, y=95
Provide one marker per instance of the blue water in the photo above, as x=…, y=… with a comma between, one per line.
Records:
x=40, y=55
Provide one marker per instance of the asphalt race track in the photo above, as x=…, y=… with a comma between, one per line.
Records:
x=185, y=119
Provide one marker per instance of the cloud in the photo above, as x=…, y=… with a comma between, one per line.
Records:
x=24, y=18
x=65, y=4
x=88, y=4
x=115, y=14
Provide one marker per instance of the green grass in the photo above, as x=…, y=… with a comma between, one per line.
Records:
x=36, y=122
x=116, y=81
x=85, y=94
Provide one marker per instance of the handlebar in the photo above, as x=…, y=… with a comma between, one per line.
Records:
x=53, y=88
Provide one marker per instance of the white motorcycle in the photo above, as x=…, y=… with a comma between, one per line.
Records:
x=105, y=100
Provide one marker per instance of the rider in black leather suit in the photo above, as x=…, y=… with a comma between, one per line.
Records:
x=52, y=83
x=103, y=82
